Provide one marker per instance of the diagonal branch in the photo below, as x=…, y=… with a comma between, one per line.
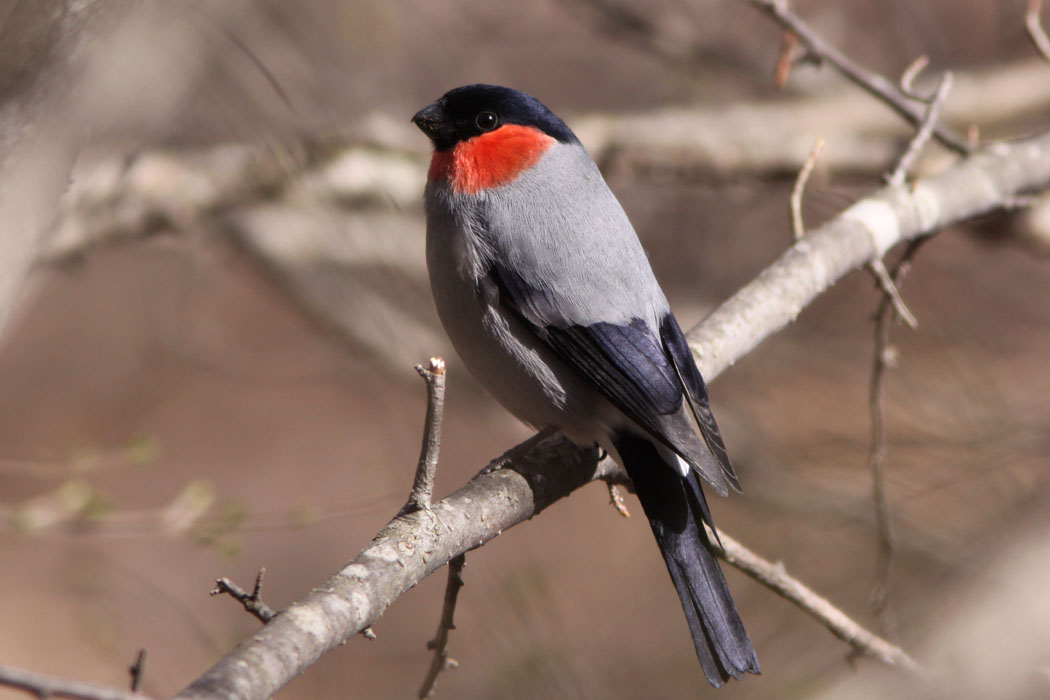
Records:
x=880, y=87
x=776, y=578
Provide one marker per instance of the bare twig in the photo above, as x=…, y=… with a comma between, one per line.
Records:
x=43, y=686
x=908, y=77
x=873, y=83
x=423, y=485
x=925, y=130
x=369, y=633
x=798, y=229
x=885, y=358
x=252, y=602
x=889, y=289
x=1035, y=28
x=775, y=577
x=439, y=643
x=412, y=546
x=137, y=669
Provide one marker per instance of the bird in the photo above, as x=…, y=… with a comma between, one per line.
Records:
x=548, y=297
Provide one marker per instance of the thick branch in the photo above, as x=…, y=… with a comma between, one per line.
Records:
x=990, y=179
x=414, y=545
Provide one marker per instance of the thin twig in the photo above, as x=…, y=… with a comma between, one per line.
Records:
x=873, y=83
x=1035, y=28
x=43, y=686
x=252, y=602
x=775, y=578
x=798, y=229
x=261, y=66
x=137, y=669
x=923, y=134
x=423, y=485
x=910, y=74
x=885, y=358
x=889, y=289
x=439, y=643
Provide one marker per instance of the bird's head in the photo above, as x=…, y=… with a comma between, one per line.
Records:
x=485, y=135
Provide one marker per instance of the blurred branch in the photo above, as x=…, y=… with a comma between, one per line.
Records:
x=119, y=197
x=414, y=545
x=821, y=51
x=798, y=228
x=1035, y=28
x=885, y=358
x=137, y=670
x=641, y=28
x=43, y=686
x=926, y=127
x=65, y=71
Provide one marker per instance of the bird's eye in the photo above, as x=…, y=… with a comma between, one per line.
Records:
x=486, y=121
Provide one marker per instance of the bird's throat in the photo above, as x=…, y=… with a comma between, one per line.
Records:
x=489, y=160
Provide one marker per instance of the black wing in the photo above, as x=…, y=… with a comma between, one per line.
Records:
x=696, y=391
x=642, y=375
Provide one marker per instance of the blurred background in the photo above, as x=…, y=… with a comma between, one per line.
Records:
x=209, y=367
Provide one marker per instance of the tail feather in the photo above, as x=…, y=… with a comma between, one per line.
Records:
x=676, y=509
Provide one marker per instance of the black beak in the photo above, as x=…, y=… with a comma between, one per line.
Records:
x=432, y=122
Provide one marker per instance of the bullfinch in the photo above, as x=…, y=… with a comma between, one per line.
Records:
x=548, y=297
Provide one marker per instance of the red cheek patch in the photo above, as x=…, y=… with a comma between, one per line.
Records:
x=490, y=160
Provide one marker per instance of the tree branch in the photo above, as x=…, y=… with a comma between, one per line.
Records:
x=43, y=686
x=871, y=82
x=413, y=545
x=252, y=602
x=890, y=305
x=439, y=643
x=798, y=228
x=776, y=578
x=423, y=485
x=1035, y=28
x=990, y=179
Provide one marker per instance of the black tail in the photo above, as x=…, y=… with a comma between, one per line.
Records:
x=675, y=507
